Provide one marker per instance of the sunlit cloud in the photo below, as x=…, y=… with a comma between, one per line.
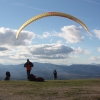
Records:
x=22, y=49
x=79, y=50
x=50, y=51
x=71, y=34
x=94, y=58
x=74, y=56
x=7, y=37
x=97, y=33
x=99, y=49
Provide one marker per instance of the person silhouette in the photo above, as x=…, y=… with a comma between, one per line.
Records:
x=55, y=74
x=28, y=66
x=7, y=75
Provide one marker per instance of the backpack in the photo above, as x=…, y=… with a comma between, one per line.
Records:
x=40, y=79
x=32, y=77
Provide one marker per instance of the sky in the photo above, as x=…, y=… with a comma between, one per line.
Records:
x=53, y=39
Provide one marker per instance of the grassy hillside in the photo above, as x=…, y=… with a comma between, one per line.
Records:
x=50, y=90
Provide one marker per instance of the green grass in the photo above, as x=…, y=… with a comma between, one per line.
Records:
x=85, y=89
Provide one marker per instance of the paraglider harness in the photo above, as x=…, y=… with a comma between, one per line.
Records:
x=38, y=79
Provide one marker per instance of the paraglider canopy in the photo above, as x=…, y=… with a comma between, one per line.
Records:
x=51, y=14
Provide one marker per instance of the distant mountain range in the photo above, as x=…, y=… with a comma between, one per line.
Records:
x=45, y=70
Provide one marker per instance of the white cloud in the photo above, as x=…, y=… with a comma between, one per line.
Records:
x=44, y=51
x=80, y=51
x=50, y=51
x=46, y=35
x=71, y=34
x=87, y=52
x=18, y=49
x=74, y=56
x=99, y=49
x=7, y=37
x=19, y=52
x=3, y=48
x=21, y=49
x=93, y=58
x=97, y=33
